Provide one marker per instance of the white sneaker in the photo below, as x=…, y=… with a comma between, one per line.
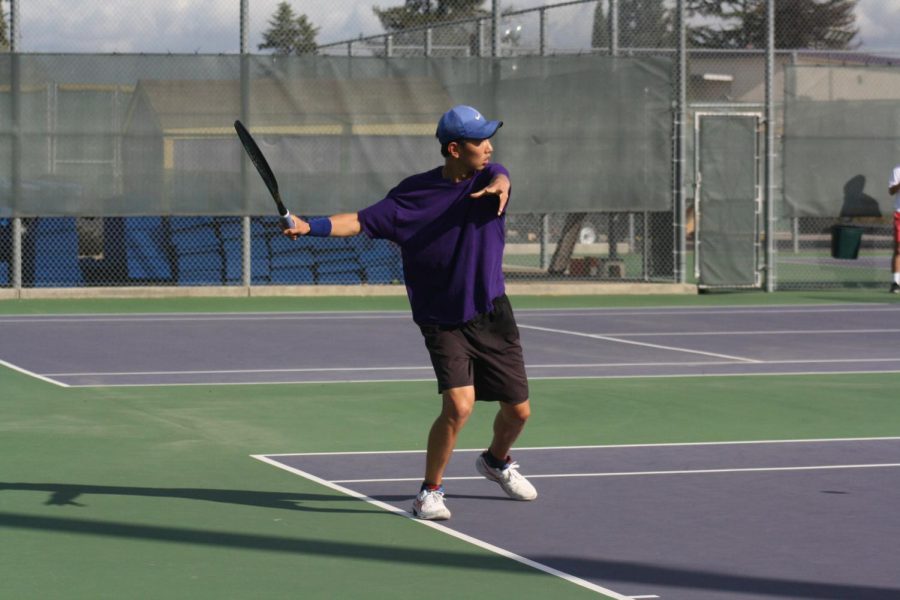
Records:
x=513, y=483
x=429, y=505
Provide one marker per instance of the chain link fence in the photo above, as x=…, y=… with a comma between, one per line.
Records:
x=725, y=85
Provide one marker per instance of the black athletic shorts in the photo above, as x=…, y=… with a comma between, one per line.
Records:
x=484, y=352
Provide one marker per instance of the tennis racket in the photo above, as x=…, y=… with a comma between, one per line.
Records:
x=268, y=177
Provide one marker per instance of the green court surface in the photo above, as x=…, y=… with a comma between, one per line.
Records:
x=150, y=492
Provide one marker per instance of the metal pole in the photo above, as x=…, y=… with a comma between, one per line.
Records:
x=246, y=229
x=769, y=196
x=16, y=154
x=545, y=218
x=389, y=46
x=245, y=15
x=495, y=36
x=428, y=42
x=680, y=149
x=613, y=27
x=13, y=25
x=480, y=37
x=543, y=31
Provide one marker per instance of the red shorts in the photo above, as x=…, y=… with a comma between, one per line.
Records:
x=897, y=226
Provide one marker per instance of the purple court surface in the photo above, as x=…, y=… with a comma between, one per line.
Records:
x=786, y=520
x=242, y=348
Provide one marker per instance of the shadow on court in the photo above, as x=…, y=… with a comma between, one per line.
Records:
x=317, y=547
x=64, y=494
x=610, y=570
x=614, y=571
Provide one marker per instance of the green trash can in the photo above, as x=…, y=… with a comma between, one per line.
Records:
x=845, y=241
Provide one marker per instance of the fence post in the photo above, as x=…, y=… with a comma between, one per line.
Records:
x=680, y=149
x=768, y=195
x=613, y=23
x=246, y=230
x=16, y=154
x=428, y=42
x=389, y=46
x=495, y=33
x=543, y=31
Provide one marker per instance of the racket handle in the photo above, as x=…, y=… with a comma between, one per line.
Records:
x=286, y=221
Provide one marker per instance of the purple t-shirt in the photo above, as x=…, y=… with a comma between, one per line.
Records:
x=451, y=244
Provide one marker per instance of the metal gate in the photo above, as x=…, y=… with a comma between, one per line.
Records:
x=727, y=199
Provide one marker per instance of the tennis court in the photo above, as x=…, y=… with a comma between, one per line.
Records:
x=84, y=350
x=724, y=446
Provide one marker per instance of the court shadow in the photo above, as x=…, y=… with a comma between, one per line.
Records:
x=613, y=572
x=64, y=494
x=475, y=560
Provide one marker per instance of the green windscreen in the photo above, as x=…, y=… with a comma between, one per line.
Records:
x=727, y=203
x=841, y=140
x=142, y=135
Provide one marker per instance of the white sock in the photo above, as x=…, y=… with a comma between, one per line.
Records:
x=897, y=278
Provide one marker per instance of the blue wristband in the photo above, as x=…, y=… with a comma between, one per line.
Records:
x=320, y=227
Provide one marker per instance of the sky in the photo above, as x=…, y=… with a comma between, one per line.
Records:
x=212, y=26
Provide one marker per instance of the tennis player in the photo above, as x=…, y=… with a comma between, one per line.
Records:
x=894, y=190
x=449, y=225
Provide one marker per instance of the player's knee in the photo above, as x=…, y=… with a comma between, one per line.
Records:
x=518, y=413
x=458, y=406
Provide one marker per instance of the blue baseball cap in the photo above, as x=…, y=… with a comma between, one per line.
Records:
x=465, y=123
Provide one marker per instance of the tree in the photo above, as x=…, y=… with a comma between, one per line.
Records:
x=4, y=38
x=421, y=13
x=289, y=33
x=813, y=24
x=417, y=13
x=641, y=24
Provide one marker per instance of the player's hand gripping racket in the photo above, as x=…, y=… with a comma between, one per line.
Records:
x=259, y=161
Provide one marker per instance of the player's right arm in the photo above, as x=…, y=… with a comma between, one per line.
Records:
x=342, y=225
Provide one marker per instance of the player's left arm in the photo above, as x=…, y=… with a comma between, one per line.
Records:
x=499, y=186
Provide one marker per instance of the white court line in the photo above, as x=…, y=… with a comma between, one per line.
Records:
x=532, y=378
x=203, y=318
x=756, y=332
x=632, y=342
x=704, y=363
x=32, y=374
x=451, y=532
x=614, y=446
x=389, y=314
x=640, y=473
x=705, y=310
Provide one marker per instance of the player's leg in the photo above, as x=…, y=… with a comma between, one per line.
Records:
x=895, y=260
x=457, y=407
x=508, y=425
